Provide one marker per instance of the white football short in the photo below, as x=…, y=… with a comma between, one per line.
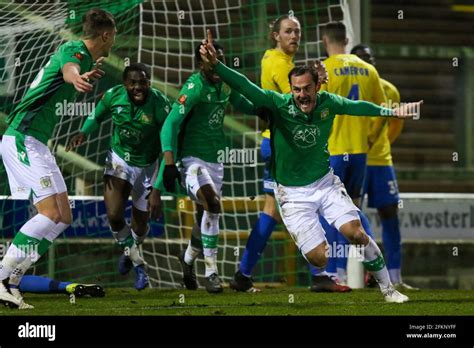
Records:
x=301, y=206
x=139, y=177
x=196, y=173
x=31, y=168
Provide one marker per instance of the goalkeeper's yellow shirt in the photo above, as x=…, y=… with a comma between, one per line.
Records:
x=351, y=77
x=276, y=65
x=380, y=152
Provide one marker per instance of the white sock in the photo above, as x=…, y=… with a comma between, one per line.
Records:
x=342, y=275
x=209, y=235
x=375, y=264
x=191, y=254
x=139, y=239
x=56, y=231
x=122, y=234
x=19, y=272
x=134, y=254
x=37, y=227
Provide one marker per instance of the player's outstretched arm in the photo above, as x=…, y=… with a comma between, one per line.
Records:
x=346, y=106
x=91, y=124
x=72, y=75
x=169, y=140
x=233, y=78
x=408, y=110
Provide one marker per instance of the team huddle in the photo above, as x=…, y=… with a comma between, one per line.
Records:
x=315, y=162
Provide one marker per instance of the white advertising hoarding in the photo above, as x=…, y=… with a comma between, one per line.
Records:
x=431, y=216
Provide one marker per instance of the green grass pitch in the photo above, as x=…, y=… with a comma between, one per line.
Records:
x=271, y=301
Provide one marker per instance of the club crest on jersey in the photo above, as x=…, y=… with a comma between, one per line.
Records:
x=119, y=109
x=324, y=114
x=190, y=85
x=305, y=136
x=146, y=119
x=45, y=182
x=182, y=99
x=78, y=56
x=226, y=89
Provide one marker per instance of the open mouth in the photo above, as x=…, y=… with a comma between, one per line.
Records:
x=305, y=104
x=138, y=95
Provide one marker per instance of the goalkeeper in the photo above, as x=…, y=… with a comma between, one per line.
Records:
x=138, y=112
x=193, y=134
x=31, y=168
x=306, y=187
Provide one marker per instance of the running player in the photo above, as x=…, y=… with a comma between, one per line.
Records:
x=31, y=168
x=138, y=112
x=196, y=120
x=306, y=185
x=277, y=62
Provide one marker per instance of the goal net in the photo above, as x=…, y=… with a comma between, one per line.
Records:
x=163, y=35
x=170, y=31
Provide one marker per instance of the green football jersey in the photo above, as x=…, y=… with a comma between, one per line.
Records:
x=299, y=141
x=37, y=113
x=136, y=134
x=195, y=124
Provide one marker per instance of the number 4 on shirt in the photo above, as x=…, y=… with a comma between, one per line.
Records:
x=354, y=92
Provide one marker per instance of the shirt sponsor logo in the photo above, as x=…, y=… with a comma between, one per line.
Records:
x=305, y=136
x=216, y=119
x=130, y=136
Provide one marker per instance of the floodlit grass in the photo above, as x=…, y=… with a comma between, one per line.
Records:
x=275, y=302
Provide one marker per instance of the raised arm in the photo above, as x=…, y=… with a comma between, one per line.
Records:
x=72, y=74
x=258, y=96
x=242, y=104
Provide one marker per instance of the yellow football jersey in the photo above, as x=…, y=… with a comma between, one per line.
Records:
x=380, y=152
x=351, y=77
x=276, y=65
